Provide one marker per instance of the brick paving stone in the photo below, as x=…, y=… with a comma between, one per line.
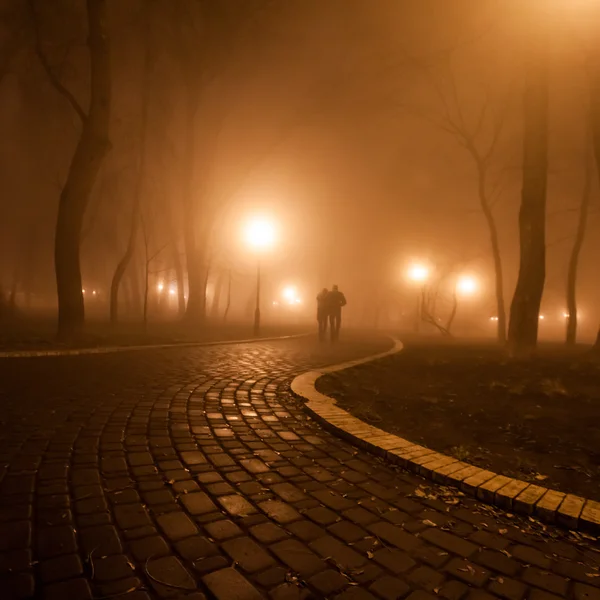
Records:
x=426, y=578
x=148, y=546
x=130, y=516
x=306, y=530
x=390, y=588
x=497, y=561
x=298, y=557
x=61, y=567
x=328, y=582
x=394, y=560
x=222, y=530
x=585, y=592
x=15, y=535
x=248, y=554
x=468, y=572
x=395, y=535
x=280, y=511
x=196, y=547
x=103, y=539
x=355, y=593
x=341, y=553
x=229, y=584
x=54, y=541
x=198, y=503
x=449, y=542
x=347, y=531
x=74, y=589
x=236, y=505
x=509, y=589
x=176, y=525
x=546, y=581
x=267, y=533
x=453, y=590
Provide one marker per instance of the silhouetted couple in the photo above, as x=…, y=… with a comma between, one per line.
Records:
x=329, y=309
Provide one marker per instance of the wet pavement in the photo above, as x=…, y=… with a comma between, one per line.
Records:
x=192, y=473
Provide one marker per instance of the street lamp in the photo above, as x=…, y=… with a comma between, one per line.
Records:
x=418, y=273
x=260, y=235
x=466, y=285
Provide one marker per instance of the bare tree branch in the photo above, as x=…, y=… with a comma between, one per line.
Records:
x=54, y=80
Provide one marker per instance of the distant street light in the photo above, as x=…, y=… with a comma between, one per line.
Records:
x=466, y=285
x=418, y=273
x=259, y=235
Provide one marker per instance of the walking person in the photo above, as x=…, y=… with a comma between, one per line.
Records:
x=322, y=313
x=335, y=302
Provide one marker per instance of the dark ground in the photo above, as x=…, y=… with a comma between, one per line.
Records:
x=537, y=421
x=194, y=473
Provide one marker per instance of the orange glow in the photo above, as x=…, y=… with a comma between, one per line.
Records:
x=418, y=273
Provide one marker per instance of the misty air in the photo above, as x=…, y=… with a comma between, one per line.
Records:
x=299, y=299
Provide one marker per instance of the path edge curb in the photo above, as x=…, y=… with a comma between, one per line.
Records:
x=548, y=505
x=112, y=349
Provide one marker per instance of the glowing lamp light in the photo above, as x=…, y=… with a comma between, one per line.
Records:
x=289, y=294
x=172, y=291
x=160, y=287
x=493, y=318
x=466, y=286
x=93, y=292
x=418, y=273
x=83, y=291
x=260, y=233
x=565, y=315
x=298, y=301
x=542, y=317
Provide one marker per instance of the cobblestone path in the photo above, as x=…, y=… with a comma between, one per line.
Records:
x=192, y=473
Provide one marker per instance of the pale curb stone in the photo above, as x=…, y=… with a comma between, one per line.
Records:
x=487, y=491
x=546, y=507
x=470, y=483
x=590, y=516
x=525, y=501
x=569, y=511
x=506, y=494
x=493, y=488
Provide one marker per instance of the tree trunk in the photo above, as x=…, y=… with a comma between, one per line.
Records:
x=178, y=267
x=228, y=296
x=497, y=257
x=594, y=80
x=92, y=147
x=525, y=307
x=135, y=217
x=571, y=336
x=214, y=310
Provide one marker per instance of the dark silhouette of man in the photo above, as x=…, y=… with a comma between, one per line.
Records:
x=335, y=301
x=322, y=313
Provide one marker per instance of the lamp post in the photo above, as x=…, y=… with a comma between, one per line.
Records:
x=260, y=235
x=419, y=274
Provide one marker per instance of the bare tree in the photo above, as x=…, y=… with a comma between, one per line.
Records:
x=140, y=177
x=584, y=205
x=479, y=138
x=525, y=306
x=92, y=146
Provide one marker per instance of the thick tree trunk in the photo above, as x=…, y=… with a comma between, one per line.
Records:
x=571, y=335
x=92, y=147
x=594, y=80
x=525, y=307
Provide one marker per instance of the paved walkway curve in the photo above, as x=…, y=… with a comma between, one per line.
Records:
x=190, y=472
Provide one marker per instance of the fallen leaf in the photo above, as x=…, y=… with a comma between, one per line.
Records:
x=502, y=531
x=370, y=554
x=430, y=523
x=592, y=574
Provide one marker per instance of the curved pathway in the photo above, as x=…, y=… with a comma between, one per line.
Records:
x=186, y=473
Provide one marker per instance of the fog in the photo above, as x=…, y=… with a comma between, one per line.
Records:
x=335, y=122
